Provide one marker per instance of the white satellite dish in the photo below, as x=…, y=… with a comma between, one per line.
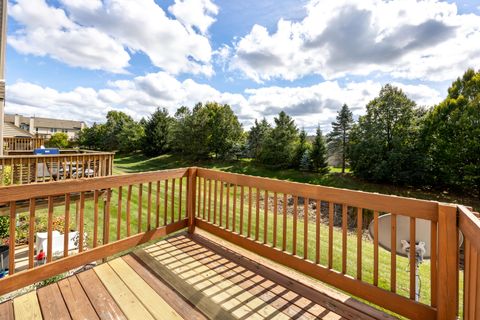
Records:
x=422, y=233
x=422, y=239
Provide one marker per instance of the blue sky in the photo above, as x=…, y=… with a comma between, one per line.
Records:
x=79, y=59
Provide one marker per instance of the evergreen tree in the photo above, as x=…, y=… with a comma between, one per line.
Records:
x=306, y=162
x=257, y=136
x=339, y=136
x=302, y=146
x=318, y=155
x=157, y=133
x=279, y=147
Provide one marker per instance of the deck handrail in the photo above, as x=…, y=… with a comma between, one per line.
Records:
x=266, y=216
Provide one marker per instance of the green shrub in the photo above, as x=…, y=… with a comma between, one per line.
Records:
x=4, y=225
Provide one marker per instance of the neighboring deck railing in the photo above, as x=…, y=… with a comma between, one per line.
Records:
x=29, y=168
x=265, y=216
x=23, y=144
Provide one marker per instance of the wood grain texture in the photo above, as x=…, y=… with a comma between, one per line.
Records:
x=76, y=299
x=51, y=303
x=154, y=303
x=183, y=307
x=103, y=303
x=130, y=305
x=27, y=307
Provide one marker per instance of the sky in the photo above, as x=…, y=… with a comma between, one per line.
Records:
x=79, y=59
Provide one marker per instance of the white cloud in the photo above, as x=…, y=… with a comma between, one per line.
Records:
x=49, y=32
x=195, y=13
x=425, y=39
x=140, y=96
x=95, y=34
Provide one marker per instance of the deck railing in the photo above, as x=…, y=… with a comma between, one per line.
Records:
x=15, y=144
x=319, y=231
x=26, y=169
x=111, y=214
x=469, y=224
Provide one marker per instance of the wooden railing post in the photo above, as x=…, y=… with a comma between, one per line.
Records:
x=191, y=198
x=447, y=289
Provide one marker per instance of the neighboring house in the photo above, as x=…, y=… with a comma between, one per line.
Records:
x=11, y=131
x=45, y=127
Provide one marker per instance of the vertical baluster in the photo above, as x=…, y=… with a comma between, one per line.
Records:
x=249, y=219
x=82, y=224
x=49, y=229
x=88, y=167
x=265, y=217
x=149, y=207
x=284, y=236
x=375, y=248
x=95, y=218
x=472, y=298
x=21, y=171
x=11, y=238
x=257, y=214
x=2, y=181
x=119, y=212
x=294, y=231
x=305, y=228
x=275, y=218
x=129, y=203
x=12, y=169
x=199, y=195
x=331, y=208
x=221, y=203
x=412, y=258
x=227, y=207
x=204, y=197
x=106, y=217
x=165, y=204
x=359, y=242
x=29, y=172
x=180, y=199
x=242, y=195
x=234, y=214
x=77, y=165
x=393, y=254
x=209, y=199
x=140, y=208
x=157, y=205
x=466, y=279
x=215, y=202
x=172, y=202
x=344, y=238
x=35, y=169
x=64, y=164
x=66, y=229
x=317, y=232
x=433, y=263
x=476, y=285
x=31, y=233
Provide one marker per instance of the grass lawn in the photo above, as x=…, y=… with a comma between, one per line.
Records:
x=138, y=163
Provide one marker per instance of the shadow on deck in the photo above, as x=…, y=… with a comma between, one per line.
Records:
x=190, y=277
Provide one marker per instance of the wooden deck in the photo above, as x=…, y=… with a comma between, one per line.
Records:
x=186, y=277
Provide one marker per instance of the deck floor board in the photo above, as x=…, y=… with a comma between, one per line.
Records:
x=184, y=277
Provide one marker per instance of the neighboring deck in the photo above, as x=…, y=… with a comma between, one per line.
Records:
x=189, y=277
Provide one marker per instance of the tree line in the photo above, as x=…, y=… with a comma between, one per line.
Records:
x=395, y=141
